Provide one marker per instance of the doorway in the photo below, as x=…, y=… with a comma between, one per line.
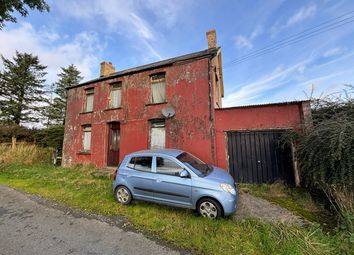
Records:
x=113, y=144
x=259, y=157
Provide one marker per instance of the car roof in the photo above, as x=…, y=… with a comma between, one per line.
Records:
x=169, y=152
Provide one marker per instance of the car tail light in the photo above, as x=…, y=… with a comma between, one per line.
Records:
x=115, y=174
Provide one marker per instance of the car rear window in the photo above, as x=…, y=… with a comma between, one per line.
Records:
x=140, y=163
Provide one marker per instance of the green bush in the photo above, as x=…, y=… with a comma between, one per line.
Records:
x=326, y=153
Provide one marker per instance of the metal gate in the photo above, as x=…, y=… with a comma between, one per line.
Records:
x=258, y=157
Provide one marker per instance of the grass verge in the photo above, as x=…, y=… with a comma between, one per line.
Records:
x=81, y=188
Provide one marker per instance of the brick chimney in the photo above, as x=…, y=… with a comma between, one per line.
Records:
x=211, y=35
x=107, y=69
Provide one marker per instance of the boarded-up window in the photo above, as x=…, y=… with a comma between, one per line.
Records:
x=158, y=88
x=157, y=135
x=86, y=138
x=89, y=100
x=116, y=95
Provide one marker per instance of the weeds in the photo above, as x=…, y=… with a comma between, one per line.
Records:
x=23, y=153
x=80, y=187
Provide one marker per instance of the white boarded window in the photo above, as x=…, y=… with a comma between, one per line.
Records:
x=86, y=138
x=158, y=88
x=89, y=100
x=157, y=135
x=116, y=95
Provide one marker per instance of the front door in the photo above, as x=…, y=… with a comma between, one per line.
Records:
x=113, y=144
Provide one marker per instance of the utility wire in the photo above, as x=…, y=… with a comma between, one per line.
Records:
x=302, y=32
x=281, y=42
x=275, y=48
x=296, y=38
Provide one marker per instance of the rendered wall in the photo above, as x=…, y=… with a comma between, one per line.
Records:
x=275, y=116
x=187, y=91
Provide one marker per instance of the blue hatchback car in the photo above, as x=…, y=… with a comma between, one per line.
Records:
x=177, y=178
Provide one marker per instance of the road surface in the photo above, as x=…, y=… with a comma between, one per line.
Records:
x=31, y=225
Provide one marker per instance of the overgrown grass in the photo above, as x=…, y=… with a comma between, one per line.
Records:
x=24, y=153
x=297, y=200
x=81, y=188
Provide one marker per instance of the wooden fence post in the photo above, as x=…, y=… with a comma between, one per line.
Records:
x=13, y=146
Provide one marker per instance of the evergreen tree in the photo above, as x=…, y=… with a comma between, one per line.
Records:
x=21, y=89
x=7, y=7
x=68, y=77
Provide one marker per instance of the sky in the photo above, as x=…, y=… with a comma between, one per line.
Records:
x=137, y=32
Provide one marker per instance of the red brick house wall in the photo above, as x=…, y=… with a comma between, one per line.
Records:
x=258, y=117
x=188, y=91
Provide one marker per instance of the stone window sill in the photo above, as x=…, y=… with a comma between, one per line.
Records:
x=149, y=104
x=115, y=108
x=84, y=153
x=85, y=112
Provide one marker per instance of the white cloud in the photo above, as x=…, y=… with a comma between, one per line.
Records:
x=256, y=32
x=83, y=50
x=167, y=12
x=302, y=14
x=290, y=84
x=245, y=42
x=333, y=52
x=127, y=18
x=254, y=90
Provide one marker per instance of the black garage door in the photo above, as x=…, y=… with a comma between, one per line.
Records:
x=258, y=157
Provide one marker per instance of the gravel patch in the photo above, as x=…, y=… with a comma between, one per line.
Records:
x=254, y=207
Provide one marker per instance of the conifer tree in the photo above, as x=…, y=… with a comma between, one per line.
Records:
x=22, y=94
x=56, y=111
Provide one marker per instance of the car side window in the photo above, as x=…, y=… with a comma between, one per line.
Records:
x=167, y=166
x=140, y=163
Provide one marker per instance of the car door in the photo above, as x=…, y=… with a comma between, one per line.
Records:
x=169, y=187
x=140, y=177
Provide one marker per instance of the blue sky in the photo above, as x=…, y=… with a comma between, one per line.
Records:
x=132, y=33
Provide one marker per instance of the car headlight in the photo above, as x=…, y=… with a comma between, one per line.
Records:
x=228, y=188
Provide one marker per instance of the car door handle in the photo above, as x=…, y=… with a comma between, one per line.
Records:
x=158, y=180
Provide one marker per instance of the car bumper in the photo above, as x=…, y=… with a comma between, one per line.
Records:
x=229, y=203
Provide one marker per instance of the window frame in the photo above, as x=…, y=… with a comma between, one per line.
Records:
x=119, y=86
x=83, y=138
x=174, y=160
x=156, y=81
x=140, y=156
x=89, y=92
x=151, y=126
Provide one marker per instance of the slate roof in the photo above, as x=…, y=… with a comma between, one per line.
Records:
x=166, y=62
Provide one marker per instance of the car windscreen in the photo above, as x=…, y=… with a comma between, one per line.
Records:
x=197, y=166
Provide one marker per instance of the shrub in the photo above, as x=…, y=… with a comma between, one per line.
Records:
x=24, y=153
x=326, y=153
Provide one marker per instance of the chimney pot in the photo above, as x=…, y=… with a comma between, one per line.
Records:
x=107, y=69
x=211, y=36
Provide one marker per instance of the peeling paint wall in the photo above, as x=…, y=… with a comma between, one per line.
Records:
x=187, y=91
x=274, y=116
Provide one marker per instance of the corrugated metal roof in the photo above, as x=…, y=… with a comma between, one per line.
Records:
x=195, y=55
x=265, y=104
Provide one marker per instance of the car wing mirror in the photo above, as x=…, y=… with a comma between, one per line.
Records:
x=184, y=174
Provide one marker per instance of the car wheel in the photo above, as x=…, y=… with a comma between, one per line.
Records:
x=123, y=195
x=209, y=208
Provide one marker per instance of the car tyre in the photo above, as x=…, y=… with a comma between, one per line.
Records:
x=209, y=208
x=123, y=195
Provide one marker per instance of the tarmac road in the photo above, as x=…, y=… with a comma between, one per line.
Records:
x=30, y=225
